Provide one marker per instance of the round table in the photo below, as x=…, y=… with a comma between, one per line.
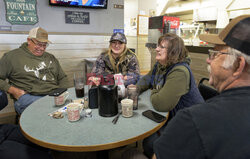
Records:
x=88, y=134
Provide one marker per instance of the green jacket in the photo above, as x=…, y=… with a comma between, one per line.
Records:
x=165, y=98
x=37, y=75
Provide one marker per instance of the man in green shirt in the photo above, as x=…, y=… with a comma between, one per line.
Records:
x=32, y=72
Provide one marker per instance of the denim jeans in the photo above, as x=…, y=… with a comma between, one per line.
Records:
x=24, y=101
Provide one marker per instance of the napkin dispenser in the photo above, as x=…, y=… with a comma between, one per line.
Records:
x=107, y=100
x=93, y=97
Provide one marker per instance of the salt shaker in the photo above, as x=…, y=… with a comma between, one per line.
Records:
x=88, y=113
x=86, y=103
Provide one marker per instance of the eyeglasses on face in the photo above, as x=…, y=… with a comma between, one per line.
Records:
x=161, y=47
x=44, y=45
x=212, y=54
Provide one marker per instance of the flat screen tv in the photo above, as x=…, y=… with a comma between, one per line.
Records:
x=80, y=3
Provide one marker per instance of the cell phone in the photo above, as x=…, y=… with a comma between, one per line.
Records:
x=57, y=91
x=154, y=116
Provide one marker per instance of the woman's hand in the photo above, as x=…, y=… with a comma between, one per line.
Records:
x=94, y=80
x=131, y=86
x=128, y=78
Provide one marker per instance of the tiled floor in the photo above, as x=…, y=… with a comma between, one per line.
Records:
x=113, y=154
x=73, y=155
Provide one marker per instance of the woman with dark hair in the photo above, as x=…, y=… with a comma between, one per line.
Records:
x=171, y=81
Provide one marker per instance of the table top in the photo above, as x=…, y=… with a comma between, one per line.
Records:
x=88, y=134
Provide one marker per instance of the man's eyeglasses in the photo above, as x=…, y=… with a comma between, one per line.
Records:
x=44, y=45
x=214, y=54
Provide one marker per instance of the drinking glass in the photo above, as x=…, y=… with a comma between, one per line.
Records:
x=79, y=84
x=133, y=94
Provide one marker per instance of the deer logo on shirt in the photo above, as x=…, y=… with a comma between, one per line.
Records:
x=38, y=69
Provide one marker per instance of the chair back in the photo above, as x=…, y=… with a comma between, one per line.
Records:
x=206, y=91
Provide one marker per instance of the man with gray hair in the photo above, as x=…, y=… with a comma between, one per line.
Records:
x=32, y=72
x=218, y=128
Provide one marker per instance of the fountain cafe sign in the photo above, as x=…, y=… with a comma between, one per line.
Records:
x=21, y=12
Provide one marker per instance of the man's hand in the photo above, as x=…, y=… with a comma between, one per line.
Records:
x=16, y=92
x=154, y=157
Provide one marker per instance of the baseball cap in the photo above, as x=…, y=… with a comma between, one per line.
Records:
x=39, y=34
x=236, y=35
x=119, y=37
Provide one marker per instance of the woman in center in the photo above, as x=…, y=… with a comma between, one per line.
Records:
x=171, y=82
x=118, y=59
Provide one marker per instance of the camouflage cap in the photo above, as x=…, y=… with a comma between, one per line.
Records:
x=119, y=37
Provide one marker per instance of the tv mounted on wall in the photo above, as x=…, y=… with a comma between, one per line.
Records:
x=80, y=3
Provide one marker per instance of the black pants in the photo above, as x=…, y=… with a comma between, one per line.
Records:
x=148, y=143
x=14, y=145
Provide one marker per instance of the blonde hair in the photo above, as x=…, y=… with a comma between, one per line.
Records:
x=121, y=58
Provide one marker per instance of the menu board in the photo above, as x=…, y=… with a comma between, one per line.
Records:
x=142, y=28
x=76, y=17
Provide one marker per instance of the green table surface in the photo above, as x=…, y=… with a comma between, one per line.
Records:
x=87, y=134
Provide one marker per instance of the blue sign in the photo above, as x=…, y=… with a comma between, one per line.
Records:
x=118, y=31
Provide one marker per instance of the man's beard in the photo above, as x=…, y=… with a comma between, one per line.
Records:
x=209, y=68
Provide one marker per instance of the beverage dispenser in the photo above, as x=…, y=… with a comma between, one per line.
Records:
x=107, y=97
x=158, y=26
